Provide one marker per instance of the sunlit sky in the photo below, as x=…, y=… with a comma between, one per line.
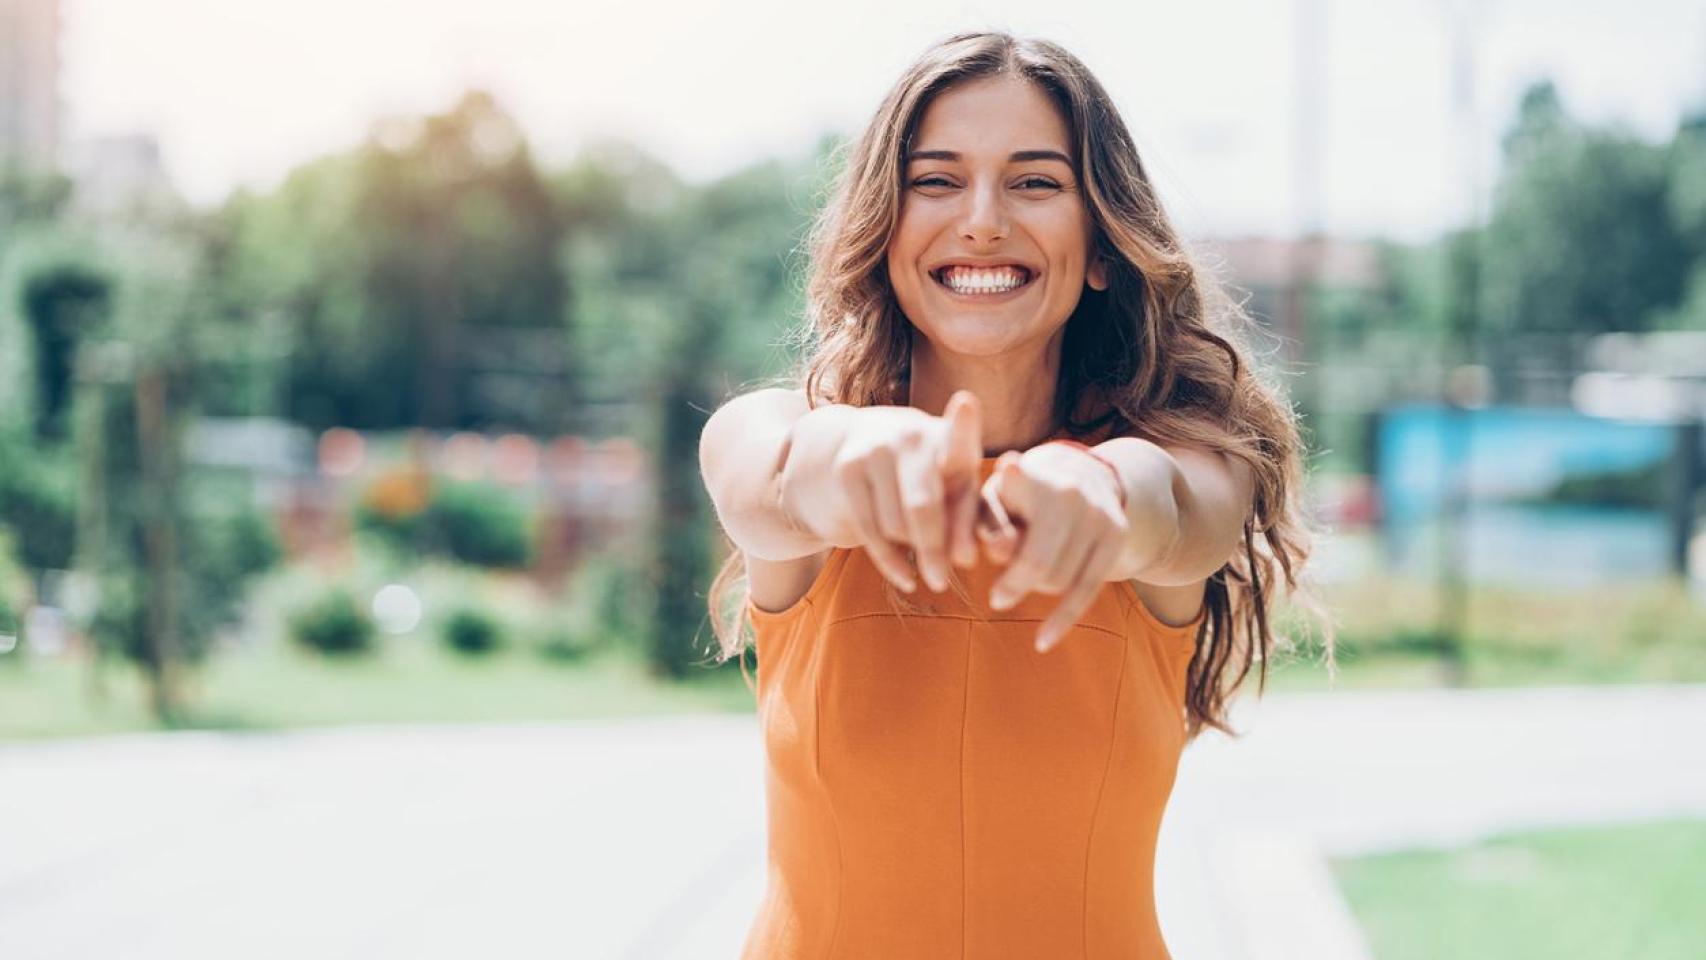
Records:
x=241, y=91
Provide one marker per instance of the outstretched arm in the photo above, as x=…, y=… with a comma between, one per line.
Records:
x=1186, y=507
x=742, y=451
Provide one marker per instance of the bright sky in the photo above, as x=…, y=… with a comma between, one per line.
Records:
x=240, y=91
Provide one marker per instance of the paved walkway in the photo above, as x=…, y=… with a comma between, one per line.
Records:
x=644, y=838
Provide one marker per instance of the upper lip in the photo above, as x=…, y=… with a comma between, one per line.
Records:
x=983, y=263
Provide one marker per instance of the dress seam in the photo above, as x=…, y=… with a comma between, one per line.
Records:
x=828, y=796
x=1101, y=790
x=965, y=712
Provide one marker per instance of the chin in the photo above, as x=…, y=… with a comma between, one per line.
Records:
x=968, y=341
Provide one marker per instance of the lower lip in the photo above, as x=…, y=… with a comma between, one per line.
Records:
x=1001, y=297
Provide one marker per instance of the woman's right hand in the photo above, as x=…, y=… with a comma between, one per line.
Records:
x=904, y=478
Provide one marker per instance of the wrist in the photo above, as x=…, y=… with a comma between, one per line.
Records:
x=813, y=440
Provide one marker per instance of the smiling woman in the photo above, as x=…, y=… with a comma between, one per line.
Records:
x=993, y=289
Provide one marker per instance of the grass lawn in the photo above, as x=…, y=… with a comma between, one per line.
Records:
x=1633, y=891
x=1609, y=633
x=281, y=686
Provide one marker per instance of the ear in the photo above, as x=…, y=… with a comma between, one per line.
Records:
x=1097, y=275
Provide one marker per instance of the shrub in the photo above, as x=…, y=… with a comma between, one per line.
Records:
x=480, y=524
x=566, y=644
x=474, y=523
x=394, y=508
x=249, y=543
x=333, y=624
x=472, y=632
x=38, y=501
x=10, y=628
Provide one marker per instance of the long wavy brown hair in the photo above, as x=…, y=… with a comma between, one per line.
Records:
x=1161, y=354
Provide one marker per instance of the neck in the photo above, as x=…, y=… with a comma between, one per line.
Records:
x=1016, y=391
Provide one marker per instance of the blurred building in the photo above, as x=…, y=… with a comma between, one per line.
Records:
x=1659, y=375
x=121, y=175
x=29, y=81
x=1278, y=273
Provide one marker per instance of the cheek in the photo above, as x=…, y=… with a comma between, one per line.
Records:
x=1070, y=238
x=906, y=246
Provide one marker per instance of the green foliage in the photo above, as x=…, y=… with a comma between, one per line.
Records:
x=1389, y=633
x=41, y=318
x=394, y=510
x=1643, y=488
x=479, y=523
x=246, y=542
x=1583, y=236
x=418, y=278
x=687, y=291
x=472, y=632
x=564, y=644
x=471, y=522
x=604, y=605
x=12, y=601
x=63, y=304
x=333, y=624
x=224, y=551
x=38, y=501
x=29, y=195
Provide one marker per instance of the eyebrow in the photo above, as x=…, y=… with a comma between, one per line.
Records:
x=1021, y=156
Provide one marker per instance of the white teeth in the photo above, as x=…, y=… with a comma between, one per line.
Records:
x=971, y=280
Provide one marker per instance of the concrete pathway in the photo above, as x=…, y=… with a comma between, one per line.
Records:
x=644, y=838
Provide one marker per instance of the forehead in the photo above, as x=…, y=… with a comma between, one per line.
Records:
x=992, y=117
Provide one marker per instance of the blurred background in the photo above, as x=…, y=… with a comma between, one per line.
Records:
x=353, y=358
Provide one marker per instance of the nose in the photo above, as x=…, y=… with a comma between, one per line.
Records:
x=985, y=219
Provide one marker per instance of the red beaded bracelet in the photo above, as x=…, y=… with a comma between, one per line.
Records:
x=1119, y=484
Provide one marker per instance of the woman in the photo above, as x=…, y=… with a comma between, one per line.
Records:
x=1021, y=396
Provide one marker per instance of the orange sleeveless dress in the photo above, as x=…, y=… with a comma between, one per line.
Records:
x=935, y=788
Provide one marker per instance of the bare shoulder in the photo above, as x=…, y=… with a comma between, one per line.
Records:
x=1173, y=604
x=776, y=585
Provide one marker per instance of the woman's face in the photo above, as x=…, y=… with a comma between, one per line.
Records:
x=992, y=247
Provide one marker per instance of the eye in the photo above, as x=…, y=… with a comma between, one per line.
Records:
x=931, y=182
x=1043, y=182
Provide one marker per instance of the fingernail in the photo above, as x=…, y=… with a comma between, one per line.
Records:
x=1000, y=599
x=1044, y=642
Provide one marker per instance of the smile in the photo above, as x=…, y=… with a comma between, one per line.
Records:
x=984, y=284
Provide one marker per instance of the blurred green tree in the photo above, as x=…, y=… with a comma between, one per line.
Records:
x=1582, y=237
x=684, y=294
x=417, y=280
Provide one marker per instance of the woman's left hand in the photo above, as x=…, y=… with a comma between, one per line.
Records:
x=1070, y=532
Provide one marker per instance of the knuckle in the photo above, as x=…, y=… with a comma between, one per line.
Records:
x=848, y=468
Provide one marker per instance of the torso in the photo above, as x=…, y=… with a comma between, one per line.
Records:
x=935, y=787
